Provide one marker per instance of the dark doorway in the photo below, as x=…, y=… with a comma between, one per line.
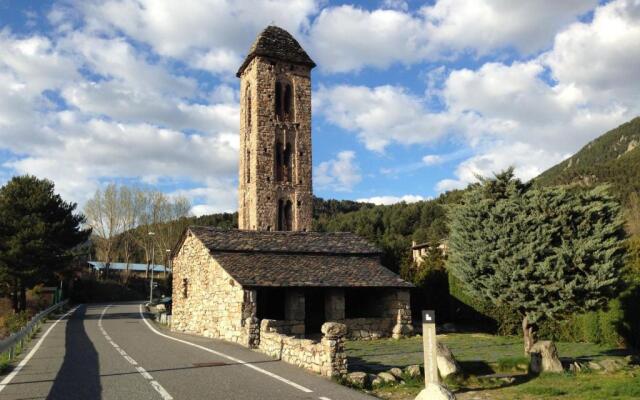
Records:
x=313, y=311
x=270, y=303
x=285, y=215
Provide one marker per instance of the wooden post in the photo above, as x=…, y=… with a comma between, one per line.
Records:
x=429, y=347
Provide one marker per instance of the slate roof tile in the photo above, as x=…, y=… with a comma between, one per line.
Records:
x=276, y=43
x=295, y=259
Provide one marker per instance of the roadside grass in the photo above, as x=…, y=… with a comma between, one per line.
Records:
x=623, y=385
x=483, y=354
x=477, y=353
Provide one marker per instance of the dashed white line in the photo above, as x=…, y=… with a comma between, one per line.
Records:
x=324, y=398
x=25, y=360
x=157, y=386
x=236, y=360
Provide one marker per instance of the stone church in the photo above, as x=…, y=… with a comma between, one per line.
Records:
x=274, y=268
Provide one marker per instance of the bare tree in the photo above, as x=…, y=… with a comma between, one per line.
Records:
x=131, y=203
x=104, y=216
x=172, y=219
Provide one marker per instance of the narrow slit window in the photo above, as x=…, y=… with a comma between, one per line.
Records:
x=278, y=100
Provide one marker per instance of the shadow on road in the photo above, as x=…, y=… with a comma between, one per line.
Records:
x=79, y=376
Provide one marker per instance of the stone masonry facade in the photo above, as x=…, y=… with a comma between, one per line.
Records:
x=207, y=301
x=263, y=135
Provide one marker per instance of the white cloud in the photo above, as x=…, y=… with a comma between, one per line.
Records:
x=601, y=57
x=339, y=174
x=211, y=34
x=536, y=123
x=132, y=119
x=347, y=38
x=217, y=196
x=432, y=159
x=387, y=200
x=380, y=115
x=529, y=161
x=482, y=26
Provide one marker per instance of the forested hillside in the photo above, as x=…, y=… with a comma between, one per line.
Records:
x=612, y=158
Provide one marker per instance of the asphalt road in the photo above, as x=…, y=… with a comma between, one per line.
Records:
x=112, y=352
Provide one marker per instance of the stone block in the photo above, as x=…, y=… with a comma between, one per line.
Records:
x=334, y=329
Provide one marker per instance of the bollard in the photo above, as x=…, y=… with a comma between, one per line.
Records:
x=432, y=388
x=429, y=347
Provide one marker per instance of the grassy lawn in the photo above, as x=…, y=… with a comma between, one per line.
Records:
x=474, y=352
x=482, y=354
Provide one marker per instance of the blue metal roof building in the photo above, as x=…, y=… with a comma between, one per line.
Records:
x=99, y=265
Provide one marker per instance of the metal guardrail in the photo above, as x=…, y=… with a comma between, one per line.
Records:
x=19, y=338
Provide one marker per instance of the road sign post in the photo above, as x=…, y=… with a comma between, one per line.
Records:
x=429, y=347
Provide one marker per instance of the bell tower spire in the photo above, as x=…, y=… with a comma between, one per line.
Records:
x=275, y=191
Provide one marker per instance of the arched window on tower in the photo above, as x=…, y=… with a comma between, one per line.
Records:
x=285, y=215
x=247, y=166
x=278, y=100
x=287, y=102
x=283, y=102
x=279, y=162
x=247, y=107
x=288, y=163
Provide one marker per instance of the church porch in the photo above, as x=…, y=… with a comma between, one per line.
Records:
x=367, y=312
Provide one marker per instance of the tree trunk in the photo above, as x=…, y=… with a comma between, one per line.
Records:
x=23, y=296
x=529, y=339
x=14, y=296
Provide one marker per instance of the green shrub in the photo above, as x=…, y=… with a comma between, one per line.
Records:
x=16, y=321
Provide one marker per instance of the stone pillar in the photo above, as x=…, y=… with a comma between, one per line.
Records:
x=294, y=305
x=334, y=304
x=401, y=310
x=250, y=321
x=333, y=348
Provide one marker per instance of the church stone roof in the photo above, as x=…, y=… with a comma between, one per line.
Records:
x=282, y=242
x=276, y=43
x=296, y=259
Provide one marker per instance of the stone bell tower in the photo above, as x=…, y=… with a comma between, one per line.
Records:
x=275, y=192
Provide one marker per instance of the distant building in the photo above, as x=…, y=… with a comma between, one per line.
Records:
x=137, y=270
x=422, y=250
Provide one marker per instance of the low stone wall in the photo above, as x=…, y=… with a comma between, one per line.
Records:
x=368, y=328
x=326, y=357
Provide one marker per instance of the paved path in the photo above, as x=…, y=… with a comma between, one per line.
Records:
x=112, y=352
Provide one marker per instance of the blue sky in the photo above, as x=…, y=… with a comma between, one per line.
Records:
x=410, y=98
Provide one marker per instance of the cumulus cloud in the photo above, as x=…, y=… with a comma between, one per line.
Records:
x=380, y=115
x=211, y=34
x=82, y=109
x=340, y=174
x=348, y=38
x=387, y=200
x=482, y=26
x=218, y=195
x=529, y=161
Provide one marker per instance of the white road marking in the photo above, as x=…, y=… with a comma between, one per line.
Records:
x=236, y=360
x=324, y=398
x=158, y=387
x=25, y=360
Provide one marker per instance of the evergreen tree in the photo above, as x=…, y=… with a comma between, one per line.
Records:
x=37, y=231
x=545, y=253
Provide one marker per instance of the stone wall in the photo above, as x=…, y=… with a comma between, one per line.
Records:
x=368, y=328
x=207, y=301
x=326, y=357
x=395, y=321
